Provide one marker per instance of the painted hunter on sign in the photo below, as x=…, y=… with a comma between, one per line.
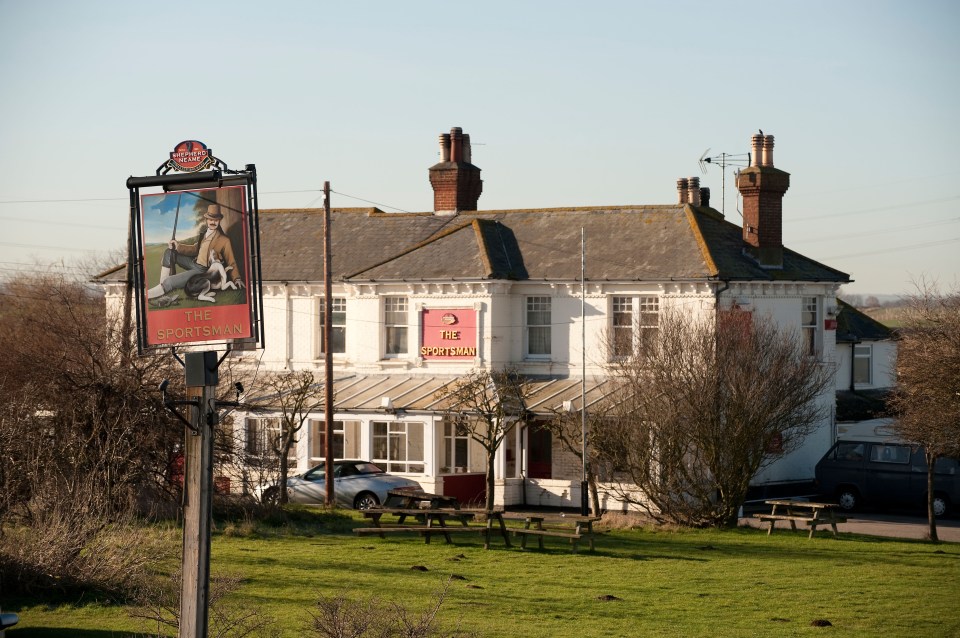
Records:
x=196, y=266
x=449, y=334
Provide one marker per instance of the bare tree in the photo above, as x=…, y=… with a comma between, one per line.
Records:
x=854, y=300
x=927, y=400
x=487, y=404
x=341, y=617
x=84, y=437
x=293, y=396
x=88, y=412
x=569, y=430
x=704, y=407
x=158, y=604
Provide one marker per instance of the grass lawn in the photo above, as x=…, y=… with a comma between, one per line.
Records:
x=665, y=583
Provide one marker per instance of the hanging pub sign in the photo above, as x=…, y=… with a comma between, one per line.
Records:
x=194, y=253
x=448, y=334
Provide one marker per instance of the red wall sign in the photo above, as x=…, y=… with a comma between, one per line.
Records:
x=448, y=333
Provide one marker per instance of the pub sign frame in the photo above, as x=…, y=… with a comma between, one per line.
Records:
x=194, y=263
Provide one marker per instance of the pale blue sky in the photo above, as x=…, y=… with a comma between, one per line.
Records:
x=567, y=104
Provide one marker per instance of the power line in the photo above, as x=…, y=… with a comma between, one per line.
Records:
x=16, y=245
x=359, y=199
x=59, y=223
x=896, y=229
x=121, y=199
x=896, y=249
x=874, y=210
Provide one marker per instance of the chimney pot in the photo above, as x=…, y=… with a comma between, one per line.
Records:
x=705, y=196
x=768, y=151
x=693, y=191
x=445, y=147
x=756, y=148
x=467, y=152
x=682, y=190
x=456, y=144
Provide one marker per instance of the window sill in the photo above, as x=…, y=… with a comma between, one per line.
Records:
x=394, y=363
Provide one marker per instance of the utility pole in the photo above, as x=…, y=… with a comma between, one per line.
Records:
x=584, y=485
x=201, y=380
x=327, y=347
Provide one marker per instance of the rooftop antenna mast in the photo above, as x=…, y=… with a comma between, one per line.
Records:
x=723, y=160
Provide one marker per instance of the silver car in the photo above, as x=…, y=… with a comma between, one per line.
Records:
x=357, y=484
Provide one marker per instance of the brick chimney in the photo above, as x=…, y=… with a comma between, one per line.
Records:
x=456, y=182
x=762, y=187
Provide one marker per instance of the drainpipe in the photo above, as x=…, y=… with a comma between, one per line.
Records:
x=523, y=461
x=716, y=295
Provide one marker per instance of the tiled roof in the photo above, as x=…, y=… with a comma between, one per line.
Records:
x=629, y=243
x=623, y=243
x=855, y=326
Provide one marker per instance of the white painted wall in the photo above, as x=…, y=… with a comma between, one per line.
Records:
x=884, y=362
x=292, y=332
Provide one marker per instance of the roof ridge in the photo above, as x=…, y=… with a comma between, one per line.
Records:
x=319, y=211
x=701, y=240
x=478, y=225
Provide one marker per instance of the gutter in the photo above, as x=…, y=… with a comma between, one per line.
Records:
x=716, y=295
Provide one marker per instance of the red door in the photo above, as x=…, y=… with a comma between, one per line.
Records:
x=538, y=453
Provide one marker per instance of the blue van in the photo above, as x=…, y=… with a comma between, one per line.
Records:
x=886, y=473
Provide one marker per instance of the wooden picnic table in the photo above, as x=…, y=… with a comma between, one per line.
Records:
x=432, y=521
x=810, y=513
x=570, y=526
x=409, y=500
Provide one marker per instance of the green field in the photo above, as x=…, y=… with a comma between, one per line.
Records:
x=638, y=582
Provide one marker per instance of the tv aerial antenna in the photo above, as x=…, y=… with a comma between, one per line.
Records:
x=723, y=160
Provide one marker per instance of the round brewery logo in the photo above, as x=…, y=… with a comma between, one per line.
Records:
x=448, y=319
x=190, y=156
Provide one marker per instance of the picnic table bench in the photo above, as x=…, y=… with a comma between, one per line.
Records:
x=807, y=512
x=572, y=527
x=431, y=521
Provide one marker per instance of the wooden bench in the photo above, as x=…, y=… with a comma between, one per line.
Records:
x=558, y=527
x=806, y=512
x=424, y=530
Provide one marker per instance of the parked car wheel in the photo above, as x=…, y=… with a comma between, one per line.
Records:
x=940, y=505
x=366, y=500
x=848, y=498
